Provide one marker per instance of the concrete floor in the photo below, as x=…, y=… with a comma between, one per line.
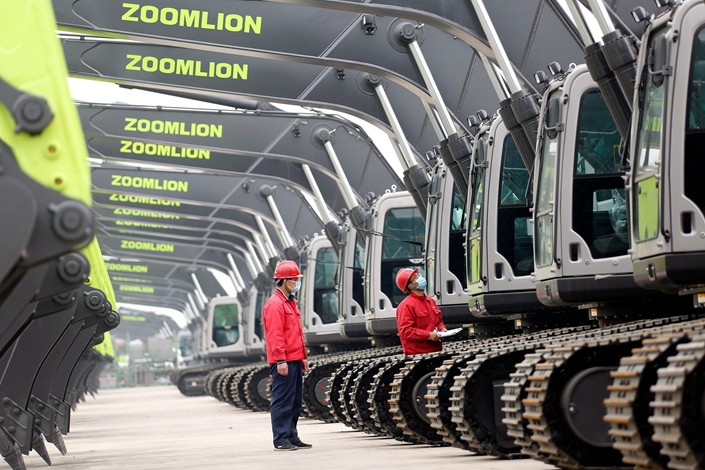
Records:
x=157, y=428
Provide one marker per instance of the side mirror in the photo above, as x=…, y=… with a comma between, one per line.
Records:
x=658, y=60
x=639, y=14
x=434, y=189
x=480, y=156
x=552, y=124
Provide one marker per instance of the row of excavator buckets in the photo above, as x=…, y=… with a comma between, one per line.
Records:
x=564, y=234
x=55, y=296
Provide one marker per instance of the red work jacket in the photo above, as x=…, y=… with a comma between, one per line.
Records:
x=283, y=333
x=417, y=316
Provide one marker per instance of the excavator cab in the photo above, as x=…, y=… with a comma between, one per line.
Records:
x=445, y=229
x=396, y=241
x=200, y=335
x=318, y=300
x=184, y=349
x=579, y=181
x=253, y=326
x=665, y=194
x=499, y=254
x=350, y=279
x=225, y=328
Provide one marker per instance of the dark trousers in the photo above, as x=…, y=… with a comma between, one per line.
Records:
x=286, y=403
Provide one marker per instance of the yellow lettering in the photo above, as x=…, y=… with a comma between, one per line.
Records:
x=235, y=28
x=146, y=246
x=135, y=58
x=149, y=14
x=130, y=124
x=149, y=183
x=150, y=64
x=240, y=71
x=132, y=7
x=167, y=65
x=184, y=67
x=195, y=68
x=129, y=268
x=253, y=24
x=204, y=21
x=138, y=289
x=187, y=18
x=169, y=16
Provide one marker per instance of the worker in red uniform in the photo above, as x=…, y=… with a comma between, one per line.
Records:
x=286, y=355
x=418, y=316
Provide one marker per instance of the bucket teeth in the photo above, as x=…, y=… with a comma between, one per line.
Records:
x=11, y=453
x=58, y=441
x=40, y=448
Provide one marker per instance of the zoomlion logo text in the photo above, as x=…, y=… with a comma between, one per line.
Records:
x=127, y=268
x=138, y=213
x=138, y=289
x=146, y=246
x=122, y=223
x=192, y=18
x=152, y=201
x=161, y=150
x=133, y=280
x=188, y=67
x=124, y=317
x=149, y=183
x=173, y=127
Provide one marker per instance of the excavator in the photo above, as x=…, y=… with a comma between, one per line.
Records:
x=606, y=299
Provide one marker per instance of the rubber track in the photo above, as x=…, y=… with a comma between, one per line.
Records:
x=237, y=388
x=252, y=396
x=227, y=385
x=194, y=372
x=334, y=391
x=559, y=446
x=401, y=399
x=497, y=361
x=438, y=399
x=630, y=396
x=345, y=399
x=210, y=385
x=361, y=393
x=318, y=410
x=675, y=422
x=379, y=401
x=517, y=389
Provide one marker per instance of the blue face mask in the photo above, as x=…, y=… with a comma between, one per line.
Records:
x=421, y=283
x=296, y=288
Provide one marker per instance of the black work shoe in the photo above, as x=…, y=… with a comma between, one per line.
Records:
x=302, y=445
x=286, y=446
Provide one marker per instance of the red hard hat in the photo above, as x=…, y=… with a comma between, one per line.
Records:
x=287, y=270
x=403, y=277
